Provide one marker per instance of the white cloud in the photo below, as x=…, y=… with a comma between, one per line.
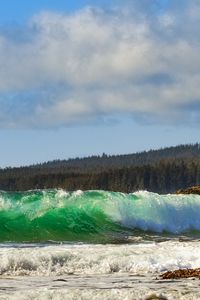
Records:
x=72, y=69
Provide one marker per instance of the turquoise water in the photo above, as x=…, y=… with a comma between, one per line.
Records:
x=95, y=216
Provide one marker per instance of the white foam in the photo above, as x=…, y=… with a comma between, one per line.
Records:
x=158, y=213
x=78, y=193
x=101, y=272
x=61, y=193
x=99, y=259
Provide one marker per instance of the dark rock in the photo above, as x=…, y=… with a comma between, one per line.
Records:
x=190, y=190
x=182, y=273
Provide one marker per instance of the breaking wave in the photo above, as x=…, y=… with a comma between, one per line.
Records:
x=94, y=216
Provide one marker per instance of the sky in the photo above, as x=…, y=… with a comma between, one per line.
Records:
x=80, y=78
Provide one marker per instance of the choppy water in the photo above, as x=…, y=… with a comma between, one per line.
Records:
x=97, y=245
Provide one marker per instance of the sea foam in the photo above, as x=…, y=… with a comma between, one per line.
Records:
x=60, y=260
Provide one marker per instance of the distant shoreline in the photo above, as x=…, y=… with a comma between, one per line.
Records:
x=161, y=171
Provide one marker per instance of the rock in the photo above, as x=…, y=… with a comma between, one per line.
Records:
x=190, y=190
x=155, y=297
x=182, y=273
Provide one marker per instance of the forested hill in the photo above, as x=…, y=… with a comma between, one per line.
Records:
x=164, y=170
x=120, y=161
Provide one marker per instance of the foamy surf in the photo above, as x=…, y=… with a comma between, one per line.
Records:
x=97, y=271
x=138, y=259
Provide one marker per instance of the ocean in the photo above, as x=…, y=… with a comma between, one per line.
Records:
x=97, y=245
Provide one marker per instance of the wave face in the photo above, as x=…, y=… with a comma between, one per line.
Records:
x=94, y=216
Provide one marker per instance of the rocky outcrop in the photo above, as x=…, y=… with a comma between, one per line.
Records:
x=182, y=273
x=190, y=190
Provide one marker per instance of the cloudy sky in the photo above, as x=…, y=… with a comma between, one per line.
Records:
x=85, y=77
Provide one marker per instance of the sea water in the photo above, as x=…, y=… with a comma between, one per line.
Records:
x=97, y=245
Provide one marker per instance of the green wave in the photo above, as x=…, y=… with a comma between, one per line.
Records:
x=93, y=216
x=55, y=215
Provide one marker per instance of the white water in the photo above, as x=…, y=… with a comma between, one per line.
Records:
x=97, y=271
x=99, y=259
x=157, y=213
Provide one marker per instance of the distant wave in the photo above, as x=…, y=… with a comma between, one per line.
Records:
x=94, y=216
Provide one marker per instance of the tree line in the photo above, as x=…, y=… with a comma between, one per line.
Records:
x=163, y=171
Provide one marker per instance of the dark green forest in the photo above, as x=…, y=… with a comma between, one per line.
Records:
x=164, y=171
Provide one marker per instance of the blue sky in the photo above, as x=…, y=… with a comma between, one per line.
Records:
x=21, y=10
x=85, y=77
